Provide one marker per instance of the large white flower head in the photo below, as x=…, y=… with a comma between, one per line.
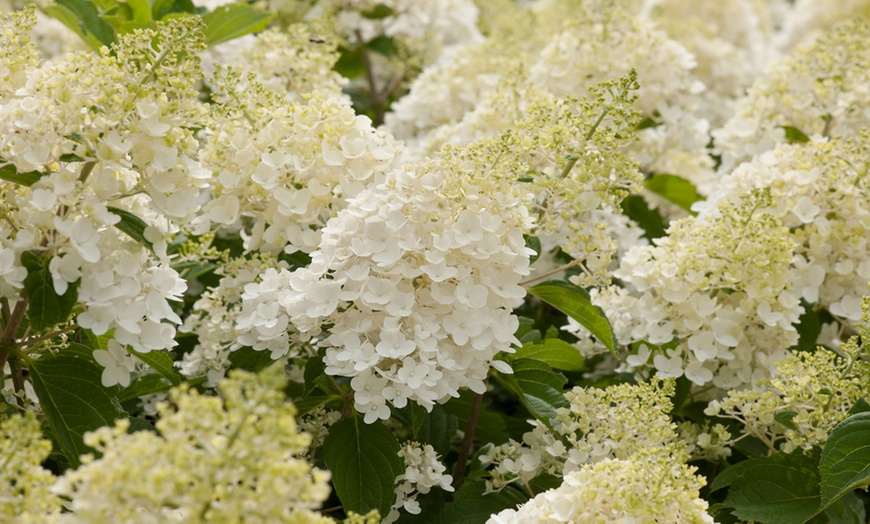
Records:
x=288, y=166
x=713, y=299
x=819, y=191
x=101, y=188
x=213, y=459
x=417, y=276
x=822, y=89
x=649, y=487
x=17, y=52
x=600, y=424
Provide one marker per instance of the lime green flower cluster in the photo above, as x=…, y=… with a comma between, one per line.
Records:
x=25, y=486
x=809, y=394
x=213, y=459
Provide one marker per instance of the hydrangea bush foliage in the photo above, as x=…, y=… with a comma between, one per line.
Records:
x=450, y=261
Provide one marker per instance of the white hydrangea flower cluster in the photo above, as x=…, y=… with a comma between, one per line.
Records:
x=821, y=89
x=213, y=459
x=423, y=471
x=214, y=315
x=713, y=299
x=731, y=43
x=806, y=20
x=417, y=278
x=647, y=488
x=288, y=166
x=819, y=191
x=25, y=486
x=809, y=394
x=128, y=162
x=600, y=424
x=293, y=62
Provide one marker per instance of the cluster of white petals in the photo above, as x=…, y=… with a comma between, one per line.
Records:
x=713, y=300
x=423, y=471
x=287, y=166
x=417, y=277
x=647, y=488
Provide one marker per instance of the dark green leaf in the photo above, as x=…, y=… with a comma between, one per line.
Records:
x=575, y=302
x=378, y=12
x=132, y=225
x=10, y=174
x=555, y=352
x=364, y=462
x=192, y=269
x=232, y=21
x=534, y=243
x=538, y=387
x=860, y=406
x=161, y=8
x=676, y=190
x=73, y=398
x=350, y=63
x=490, y=424
x=250, y=359
x=809, y=327
x=46, y=308
x=794, y=135
x=305, y=405
x=89, y=20
x=845, y=462
x=849, y=509
x=650, y=220
x=382, y=45
x=471, y=506
x=145, y=385
x=785, y=418
x=161, y=362
x=438, y=428
x=779, y=489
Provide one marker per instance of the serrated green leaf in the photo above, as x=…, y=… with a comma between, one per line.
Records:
x=779, y=489
x=794, y=135
x=650, y=220
x=46, y=307
x=364, y=462
x=575, y=302
x=555, y=352
x=72, y=396
x=145, y=385
x=845, y=462
x=471, y=506
x=10, y=174
x=132, y=225
x=675, y=189
x=161, y=362
x=232, y=21
x=89, y=20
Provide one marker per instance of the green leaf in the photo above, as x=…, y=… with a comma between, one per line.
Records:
x=132, y=225
x=378, y=12
x=794, y=135
x=575, y=302
x=860, y=406
x=10, y=174
x=383, y=45
x=534, y=243
x=676, y=190
x=538, y=387
x=73, y=398
x=809, y=327
x=364, y=462
x=250, y=359
x=779, y=489
x=192, y=269
x=848, y=509
x=555, y=352
x=350, y=63
x=490, y=422
x=141, y=10
x=145, y=385
x=89, y=20
x=162, y=8
x=161, y=362
x=650, y=220
x=471, y=506
x=437, y=429
x=232, y=21
x=845, y=462
x=46, y=308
